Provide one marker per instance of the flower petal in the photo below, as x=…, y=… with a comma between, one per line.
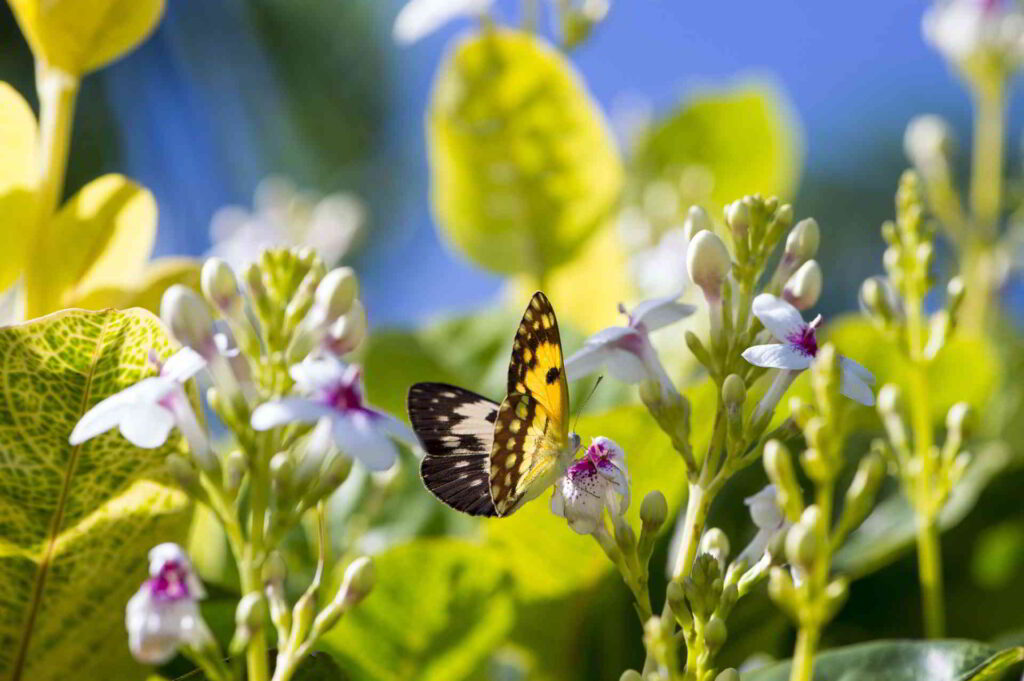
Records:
x=420, y=18
x=854, y=387
x=777, y=356
x=357, y=436
x=396, y=429
x=288, y=410
x=658, y=313
x=99, y=419
x=587, y=360
x=183, y=365
x=317, y=372
x=147, y=425
x=626, y=366
x=847, y=364
x=558, y=500
x=778, y=316
x=764, y=509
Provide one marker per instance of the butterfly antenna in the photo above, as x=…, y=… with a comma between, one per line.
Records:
x=579, y=410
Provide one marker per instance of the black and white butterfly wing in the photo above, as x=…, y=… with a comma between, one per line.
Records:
x=456, y=428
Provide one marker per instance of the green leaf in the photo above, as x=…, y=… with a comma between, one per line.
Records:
x=76, y=522
x=439, y=609
x=524, y=167
x=147, y=291
x=720, y=145
x=319, y=667
x=78, y=37
x=101, y=238
x=18, y=145
x=903, y=661
x=890, y=529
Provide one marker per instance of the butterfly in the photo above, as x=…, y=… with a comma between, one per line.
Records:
x=488, y=459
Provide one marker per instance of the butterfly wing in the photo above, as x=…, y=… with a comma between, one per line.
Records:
x=456, y=428
x=537, y=368
x=525, y=457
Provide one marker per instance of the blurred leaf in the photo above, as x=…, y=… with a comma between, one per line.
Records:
x=999, y=556
x=148, y=290
x=889, y=530
x=18, y=144
x=78, y=36
x=967, y=369
x=77, y=522
x=524, y=167
x=903, y=661
x=319, y=667
x=720, y=145
x=439, y=609
x=100, y=238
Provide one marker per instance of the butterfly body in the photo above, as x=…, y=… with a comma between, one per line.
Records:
x=486, y=458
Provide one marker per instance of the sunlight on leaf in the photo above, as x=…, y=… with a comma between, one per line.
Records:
x=524, y=167
x=148, y=289
x=18, y=143
x=77, y=522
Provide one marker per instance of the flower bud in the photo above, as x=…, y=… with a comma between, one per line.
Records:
x=235, y=467
x=282, y=472
x=802, y=544
x=185, y=475
x=708, y=263
x=275, y=570
x=257, y=290
x=928, y=141
x=957, y=417
x=697, y=220
x=249, y=613
x=625, y=536
x=715, y=633
x=737, y=216
x=675, y=594
x=348, y=331
x=804, y=288
x=779, y=466
x=631, y=675
x=653, y=509
x=360, y=578
x=729, y=674
x=734, y=391
x=802, y=242
x=334, y=295
x=188, y=318
x=715, y=543
x=218, y=283
x=835, y=595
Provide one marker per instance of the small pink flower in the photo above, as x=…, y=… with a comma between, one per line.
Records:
x=596, y=481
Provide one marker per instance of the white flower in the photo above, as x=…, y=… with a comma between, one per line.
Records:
x=964, y=29
x=594, y=482
x=146, y=412
x=768, y=518
x=163, y=615
x=626, y=350
x=420, y=18
x=334, y=390
x=799, y=345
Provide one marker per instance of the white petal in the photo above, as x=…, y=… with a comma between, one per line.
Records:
x=147, y=425
x=610, y=335
x=658, y=313
x=97, y=420
x=586, y=361
x=420, y=18
x=626, y=367
x=757, y=546
x=357, y=436
x=777, y=356
x=854, y=387
x=288, y=410
x=778, y=316
x=317, y=372
x=847, y=364
x=168, y=552
x=183, y=365
x=558, y=500
x=764, y=509
x=396, y=429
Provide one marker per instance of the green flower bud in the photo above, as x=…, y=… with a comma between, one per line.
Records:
x=730, y=594
x=737, y=216
x=697, y=220
x=360, y=577
x=779, y=466
x=257, y=291
x=334, y=295
x=802, y=242
x=188, y=317
x=348, y=331
x=715, y=543
x=715, y=633
x=865, y=483
x=803, y=289
x=697, y=348
x=957, y=418
x=801, y=544
x=734, y=391
x=835, y=595
x=781, y=589
x=675, y=594
x=218, y=283
x=275, y=569
x=282, y=471
x=729, y=674
x=653, y=510
x=235, y=467
x=631, y=675
x=625, y=536
x=708, y=263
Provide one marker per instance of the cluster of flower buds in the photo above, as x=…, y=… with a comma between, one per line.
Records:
x=807, y=591
x=984, y=40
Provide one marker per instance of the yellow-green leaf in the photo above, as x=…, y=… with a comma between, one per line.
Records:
x=18, y=144
x=79, y=36
x=147, y=291
x=99, y=239
x=75, y=522
x=720, y=145
x=524, y=168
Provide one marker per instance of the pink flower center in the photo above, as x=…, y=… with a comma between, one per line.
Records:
x=598, y=457
x=805, y=341
x=347, y=395
x=171, y=583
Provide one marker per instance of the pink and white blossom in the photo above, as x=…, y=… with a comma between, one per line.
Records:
x=596, y=481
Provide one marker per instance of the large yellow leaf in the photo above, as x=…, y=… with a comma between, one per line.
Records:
x=18, y=144
x=99, y=239
x=524, y=168
x=147, y=291
x=79, y=36
x=75, y=522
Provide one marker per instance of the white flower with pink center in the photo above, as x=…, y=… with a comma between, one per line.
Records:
x=163, y=615
x=769, y=520
x=596, y=481
x=333, y=390
x=964, y=29
x=146, y=412
x=626, y=351
x=798, y=346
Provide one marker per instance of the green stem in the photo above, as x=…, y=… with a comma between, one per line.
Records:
x=256, y=654
x=929, y=567
x=803, y=657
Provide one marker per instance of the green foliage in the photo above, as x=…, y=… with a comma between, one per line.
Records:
x=72, y=518
x=720, y=145
x=524, y=168
x=904, y=661
x=439, y=610
x=79, y=37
